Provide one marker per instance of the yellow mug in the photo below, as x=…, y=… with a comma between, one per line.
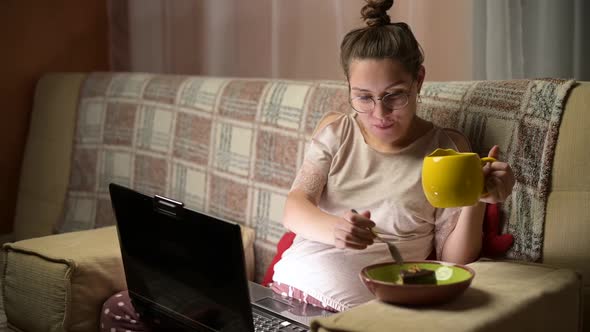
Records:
x=453, y=179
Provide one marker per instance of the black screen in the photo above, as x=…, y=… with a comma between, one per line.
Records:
x=187, y=265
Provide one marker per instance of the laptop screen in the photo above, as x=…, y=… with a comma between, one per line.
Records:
x=183, y=264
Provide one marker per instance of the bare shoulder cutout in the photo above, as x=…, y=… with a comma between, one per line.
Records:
x=326, y=120
x=459, y=139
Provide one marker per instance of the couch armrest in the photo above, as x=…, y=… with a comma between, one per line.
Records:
x=59, y=282
x=504, y=296
x=46, y=162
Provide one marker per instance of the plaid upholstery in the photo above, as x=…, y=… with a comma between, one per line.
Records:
x=231, y=147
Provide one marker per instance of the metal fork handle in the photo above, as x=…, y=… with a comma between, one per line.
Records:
x=397, y=256
x=392, y=248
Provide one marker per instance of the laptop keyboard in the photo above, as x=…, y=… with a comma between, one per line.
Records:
x=263, y=324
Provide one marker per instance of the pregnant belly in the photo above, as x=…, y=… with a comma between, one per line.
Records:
x=331, y=274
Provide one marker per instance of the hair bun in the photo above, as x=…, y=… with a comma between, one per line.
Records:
x=375, y=12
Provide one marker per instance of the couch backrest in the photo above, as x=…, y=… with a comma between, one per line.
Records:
x=227, y=146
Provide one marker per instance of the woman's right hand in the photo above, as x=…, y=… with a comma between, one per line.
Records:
x=353, y=231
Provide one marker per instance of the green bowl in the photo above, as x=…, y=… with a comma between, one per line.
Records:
x=451, y=281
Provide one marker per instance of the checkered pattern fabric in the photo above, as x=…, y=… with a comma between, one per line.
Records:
x=231, y=147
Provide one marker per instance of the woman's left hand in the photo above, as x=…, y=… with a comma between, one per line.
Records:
x=499, y=179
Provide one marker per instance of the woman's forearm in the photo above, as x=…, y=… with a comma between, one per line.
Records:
x=464, y=243
x=304, y=218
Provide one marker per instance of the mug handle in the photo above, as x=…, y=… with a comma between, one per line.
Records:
x=484, y=161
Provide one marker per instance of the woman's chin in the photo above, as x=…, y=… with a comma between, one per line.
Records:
x=384, y=132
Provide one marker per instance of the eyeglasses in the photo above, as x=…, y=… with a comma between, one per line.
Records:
x=391, y=101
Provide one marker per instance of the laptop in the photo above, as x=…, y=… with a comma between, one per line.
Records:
x=185, y=271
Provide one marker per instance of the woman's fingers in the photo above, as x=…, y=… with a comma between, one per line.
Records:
x=499, y=174
x=494, y=152
x=507, y=179
x=345, y=239
x=498, y=187
x=361, y=221
x=355, y=230
x=499, y=166
x=361, y=225
x=499, y=179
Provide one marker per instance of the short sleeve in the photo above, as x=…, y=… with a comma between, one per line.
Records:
x=445, y=222
x=313, y=173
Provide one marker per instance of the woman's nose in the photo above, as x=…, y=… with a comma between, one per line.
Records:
x=380, y=111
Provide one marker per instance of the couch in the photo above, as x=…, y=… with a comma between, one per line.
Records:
x=234, y=153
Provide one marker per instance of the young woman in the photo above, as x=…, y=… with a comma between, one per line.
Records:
x=370, y=162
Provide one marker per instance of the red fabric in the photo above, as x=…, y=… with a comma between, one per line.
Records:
x=284, y=244
x=493, y=245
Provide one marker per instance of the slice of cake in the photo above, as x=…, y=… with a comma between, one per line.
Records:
x=416, y=275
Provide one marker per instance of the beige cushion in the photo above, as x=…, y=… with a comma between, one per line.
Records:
x=49, y=143
x=59, y=282
x=504, y=296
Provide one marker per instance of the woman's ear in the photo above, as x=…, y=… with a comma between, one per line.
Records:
x=420, y=78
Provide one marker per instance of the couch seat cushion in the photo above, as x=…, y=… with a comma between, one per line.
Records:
x=59, y=282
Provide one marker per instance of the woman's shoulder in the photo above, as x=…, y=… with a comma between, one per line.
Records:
x=332, y=120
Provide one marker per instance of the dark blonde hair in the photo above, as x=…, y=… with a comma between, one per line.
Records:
x=381, y=39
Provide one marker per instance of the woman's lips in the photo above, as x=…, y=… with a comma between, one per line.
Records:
x=382, y=126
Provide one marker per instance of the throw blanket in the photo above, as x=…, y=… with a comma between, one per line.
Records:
x=522, y=117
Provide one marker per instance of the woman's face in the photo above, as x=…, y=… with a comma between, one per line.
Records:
x=377, y=78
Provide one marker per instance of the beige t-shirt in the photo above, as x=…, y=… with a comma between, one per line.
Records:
x=343, y=172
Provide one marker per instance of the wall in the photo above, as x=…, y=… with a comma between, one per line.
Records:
x=445, y=31
x=38, y=37
x=279, y=38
